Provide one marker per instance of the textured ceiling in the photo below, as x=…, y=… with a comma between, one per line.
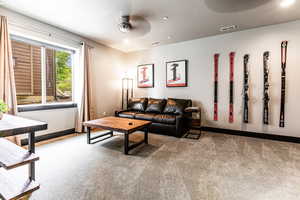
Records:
x=188, y=19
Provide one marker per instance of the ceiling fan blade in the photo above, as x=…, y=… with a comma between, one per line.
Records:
x=140, y=26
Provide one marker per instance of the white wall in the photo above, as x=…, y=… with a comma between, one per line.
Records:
x=107, y=71
x=58, y=120
x=200, y=52
x=105, y=66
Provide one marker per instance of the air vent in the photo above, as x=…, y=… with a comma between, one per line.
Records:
x=228, y=28
x=155, y=43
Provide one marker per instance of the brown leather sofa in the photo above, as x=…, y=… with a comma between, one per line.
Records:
x=167, y=115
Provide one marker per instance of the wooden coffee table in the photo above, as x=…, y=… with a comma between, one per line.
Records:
x=122, y=125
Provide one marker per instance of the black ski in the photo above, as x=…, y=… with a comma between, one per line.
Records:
x=216, y=67
x=231, y=75
x=266, y=98
x=283, y=74
x=246, y=89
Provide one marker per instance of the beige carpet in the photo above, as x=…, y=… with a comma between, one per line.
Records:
x=216, y=167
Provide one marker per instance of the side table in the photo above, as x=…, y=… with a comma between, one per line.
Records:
x=194, y=123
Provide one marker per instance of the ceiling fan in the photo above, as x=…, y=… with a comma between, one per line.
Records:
x=133, y=25
x=125, y=25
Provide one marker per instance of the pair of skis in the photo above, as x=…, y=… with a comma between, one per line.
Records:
x=216, y=66
x=266, y=98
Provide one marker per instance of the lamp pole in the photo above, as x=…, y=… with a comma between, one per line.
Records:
x=127, y=91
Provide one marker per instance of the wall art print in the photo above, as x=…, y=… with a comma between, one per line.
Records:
x=145, y=76
x=176, y=73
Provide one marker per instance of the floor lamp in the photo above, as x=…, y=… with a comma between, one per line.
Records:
x=127, y=91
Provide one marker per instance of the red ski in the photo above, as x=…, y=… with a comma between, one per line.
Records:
x=231, y=57
x=216, y=64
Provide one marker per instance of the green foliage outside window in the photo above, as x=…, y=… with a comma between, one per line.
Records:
x=63, y=72
x=3, y=107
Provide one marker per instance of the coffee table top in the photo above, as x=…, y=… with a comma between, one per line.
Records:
x=117, y=124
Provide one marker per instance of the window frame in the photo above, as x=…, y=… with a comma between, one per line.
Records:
x=44, y=105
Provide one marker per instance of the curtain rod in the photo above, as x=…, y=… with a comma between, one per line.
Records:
x=89, y=46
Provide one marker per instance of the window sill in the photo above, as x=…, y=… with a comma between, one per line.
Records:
x=28, y=108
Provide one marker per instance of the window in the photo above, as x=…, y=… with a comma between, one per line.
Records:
x=43, y=73
x=59, y=77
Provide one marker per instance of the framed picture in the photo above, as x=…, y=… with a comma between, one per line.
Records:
x=145, y=76
x=176, y=73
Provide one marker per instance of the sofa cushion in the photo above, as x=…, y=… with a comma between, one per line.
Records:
x=127, y=114
x=145, y=116
x=155, y=105
x=165, y=119
x=137, y=104
x=176, y=106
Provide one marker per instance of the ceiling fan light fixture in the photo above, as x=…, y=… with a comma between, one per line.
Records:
x=125, y=25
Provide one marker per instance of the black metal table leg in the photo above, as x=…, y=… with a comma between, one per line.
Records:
x=126, y=143
x=89, y=135
x=92, y=140
x=31, y=148
x=146, y=135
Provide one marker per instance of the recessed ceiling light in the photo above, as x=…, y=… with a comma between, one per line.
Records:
x=165, y=18
x=286, y=3
x=155, y=43
x=228, y=28
x=169, y=37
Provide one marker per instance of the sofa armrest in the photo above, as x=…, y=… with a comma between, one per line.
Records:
x=189, y=117
x=186, y=115
x=180, y=121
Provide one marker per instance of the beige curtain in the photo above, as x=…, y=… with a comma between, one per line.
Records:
x=7, y=78
x=85, y=107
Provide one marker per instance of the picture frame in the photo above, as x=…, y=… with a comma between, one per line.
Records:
x=145, y=76
x=176, y=73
